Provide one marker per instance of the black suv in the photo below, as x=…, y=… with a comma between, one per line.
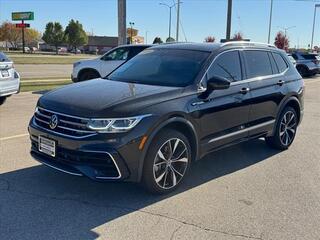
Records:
x=166, y=108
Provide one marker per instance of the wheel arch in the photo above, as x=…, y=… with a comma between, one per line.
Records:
x=87, y=69
x=180, y=124
x=292, y=101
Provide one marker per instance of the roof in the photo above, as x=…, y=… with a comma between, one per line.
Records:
x=209, y=47
x=136, y=45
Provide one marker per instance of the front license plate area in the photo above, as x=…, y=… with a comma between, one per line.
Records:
x=5, y=73
x=47, y=146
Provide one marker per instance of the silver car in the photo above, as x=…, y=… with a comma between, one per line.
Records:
x=9, y=78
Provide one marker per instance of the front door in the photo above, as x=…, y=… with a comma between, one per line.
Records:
x=224, y=113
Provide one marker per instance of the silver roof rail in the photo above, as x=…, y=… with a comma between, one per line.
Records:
x=248, y=44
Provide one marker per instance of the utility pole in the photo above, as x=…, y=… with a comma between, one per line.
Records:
x=178, y=21
x=122, y=33
x=270, y=20
x=314, y=21
x=229, y=14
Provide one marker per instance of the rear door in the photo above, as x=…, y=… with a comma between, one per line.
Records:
x=224, y=114
x=113, y=59
x=265, y=75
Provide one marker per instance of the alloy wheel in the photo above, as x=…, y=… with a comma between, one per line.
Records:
x=288, y=128
x=170, y=163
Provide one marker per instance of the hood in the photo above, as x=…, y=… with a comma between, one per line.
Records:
x=105, y=98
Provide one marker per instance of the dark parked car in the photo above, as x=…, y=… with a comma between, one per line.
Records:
x=166, y=108
x=308, y=64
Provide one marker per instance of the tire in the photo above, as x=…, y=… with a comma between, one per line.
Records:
x=285, y=131
x=87, y=75
x=163, y=170
x=303, y=70
x=2, y=100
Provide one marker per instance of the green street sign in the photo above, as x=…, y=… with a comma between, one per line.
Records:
x=16, y=16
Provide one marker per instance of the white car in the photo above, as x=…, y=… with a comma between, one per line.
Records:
x=9, y=78
x=102, y=66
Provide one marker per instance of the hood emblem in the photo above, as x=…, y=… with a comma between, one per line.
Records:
x=53, y=123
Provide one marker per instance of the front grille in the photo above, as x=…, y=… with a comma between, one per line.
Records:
x=66, y=125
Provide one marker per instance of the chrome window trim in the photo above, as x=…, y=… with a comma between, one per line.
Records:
x=242, y=131
x=201, y=88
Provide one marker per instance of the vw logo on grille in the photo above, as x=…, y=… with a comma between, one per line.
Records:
x=53, y=121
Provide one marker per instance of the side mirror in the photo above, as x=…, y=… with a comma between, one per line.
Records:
x=218, y=83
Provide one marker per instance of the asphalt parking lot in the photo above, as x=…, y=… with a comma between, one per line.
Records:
x=247, y=191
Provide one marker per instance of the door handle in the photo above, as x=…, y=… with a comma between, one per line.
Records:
x=280, y=82
x=244, y=90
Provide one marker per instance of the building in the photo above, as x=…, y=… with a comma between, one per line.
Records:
x=100, y=44
x=133, y=33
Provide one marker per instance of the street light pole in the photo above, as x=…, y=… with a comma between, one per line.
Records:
x=314, y=21
x=270, y=20
x=170, y=7
x=178, y=21
x=131, y=24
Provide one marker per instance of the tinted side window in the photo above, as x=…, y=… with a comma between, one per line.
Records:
x=273, y=64
x=282, y=65
x=227, y=66
x=258, y=63
x=135, y=50
x=295, y=56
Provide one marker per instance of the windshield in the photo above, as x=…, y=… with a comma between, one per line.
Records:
x=4, y=58
x=164, y=67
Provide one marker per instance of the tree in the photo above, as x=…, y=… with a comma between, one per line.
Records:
x=31, y=35
x=210, y=39
x=11, y=34
x=237, y=36
x=75, y=35
x=54, y=34
x=281, y=41
x=170, y=39
x=157, y=40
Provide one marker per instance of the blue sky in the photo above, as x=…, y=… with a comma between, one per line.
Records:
x=200, y=18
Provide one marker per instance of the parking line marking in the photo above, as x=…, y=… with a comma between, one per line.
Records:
x=15, y=136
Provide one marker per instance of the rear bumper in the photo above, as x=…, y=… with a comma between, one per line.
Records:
x=9, y=87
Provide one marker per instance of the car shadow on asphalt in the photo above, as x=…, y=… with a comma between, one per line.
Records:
x=45, y=204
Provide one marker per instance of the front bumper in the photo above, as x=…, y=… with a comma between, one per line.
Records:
x=98, y=157
x=73, y=78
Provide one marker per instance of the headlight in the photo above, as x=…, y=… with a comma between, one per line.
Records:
x=76, y=64
x=115, y=125
x=16, y=75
